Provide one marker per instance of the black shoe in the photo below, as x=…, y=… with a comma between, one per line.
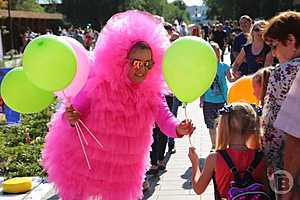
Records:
x=172, y=150
x=161, y=165
x=153, y=170
x=146, y=186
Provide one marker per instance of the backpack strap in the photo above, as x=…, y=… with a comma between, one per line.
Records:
x=258, y=157
x=217, y=193
x=230, y=164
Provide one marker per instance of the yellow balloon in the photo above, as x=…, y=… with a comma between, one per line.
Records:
x=242, y=91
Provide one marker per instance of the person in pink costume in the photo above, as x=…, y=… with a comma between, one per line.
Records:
x=120, y=102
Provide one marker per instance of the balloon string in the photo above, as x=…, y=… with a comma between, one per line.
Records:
x=185, y=113
x=67, y=99
x=190, y=141
x=186, y=117
x=83, y=149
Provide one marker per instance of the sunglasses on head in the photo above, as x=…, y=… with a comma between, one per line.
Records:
x=137, y=64
x=273, y=46
x=257, y=29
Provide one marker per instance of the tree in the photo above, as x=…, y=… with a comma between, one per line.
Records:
x=3, y=4
x=233, y=9
x=81, y=12
x=51, y=6
x=95, y=12
x=180, y=11
x=28, y=5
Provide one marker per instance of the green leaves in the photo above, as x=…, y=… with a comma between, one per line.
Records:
x=28, y=5
x=20, y=146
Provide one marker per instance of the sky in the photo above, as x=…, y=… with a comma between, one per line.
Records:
x=190, y=2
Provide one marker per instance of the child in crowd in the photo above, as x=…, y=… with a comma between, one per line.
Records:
x=216, y=96
x=238, y=123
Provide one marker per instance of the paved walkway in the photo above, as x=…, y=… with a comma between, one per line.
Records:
x=175, y=182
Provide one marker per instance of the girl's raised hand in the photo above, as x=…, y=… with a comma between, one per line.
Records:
x=193, y=156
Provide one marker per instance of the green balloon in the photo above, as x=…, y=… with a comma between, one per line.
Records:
x=189, y=67
x=49, y=63
x=21, y=95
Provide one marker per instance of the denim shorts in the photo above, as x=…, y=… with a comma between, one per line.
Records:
x=211, y=114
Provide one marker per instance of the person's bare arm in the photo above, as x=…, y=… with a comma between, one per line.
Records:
x=230, y=76
x=201, y=178
x=269, y=60
x=238, y=61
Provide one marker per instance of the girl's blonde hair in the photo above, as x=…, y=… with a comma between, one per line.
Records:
x=238, y=118
x=261, y=77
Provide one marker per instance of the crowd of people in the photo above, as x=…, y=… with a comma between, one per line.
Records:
x=269, y=51
x=86, y=36
x=239, y=126
x=239, y=132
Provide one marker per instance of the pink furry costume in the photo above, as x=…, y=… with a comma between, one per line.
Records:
x=120, y=114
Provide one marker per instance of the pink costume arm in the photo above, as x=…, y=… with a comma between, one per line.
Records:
x=165, y=120
x=82, y=104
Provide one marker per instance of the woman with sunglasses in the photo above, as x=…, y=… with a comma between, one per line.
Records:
x=256, y=54
x=120, y=102
x=283, y=36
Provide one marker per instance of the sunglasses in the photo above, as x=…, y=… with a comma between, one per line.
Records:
x=257, y=29
x=137, y=64
x=273, y=46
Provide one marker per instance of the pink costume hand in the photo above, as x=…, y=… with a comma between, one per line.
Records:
x=72, y=115
x=185, y=128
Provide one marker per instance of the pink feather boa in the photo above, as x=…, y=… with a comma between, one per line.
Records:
x=119, y=113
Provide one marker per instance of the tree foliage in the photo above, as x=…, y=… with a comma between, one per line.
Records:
x=3, y=4
x=28, y=5
x=95, y=12
x=233, y=9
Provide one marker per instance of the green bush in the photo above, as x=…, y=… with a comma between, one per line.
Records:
x=21, y=145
